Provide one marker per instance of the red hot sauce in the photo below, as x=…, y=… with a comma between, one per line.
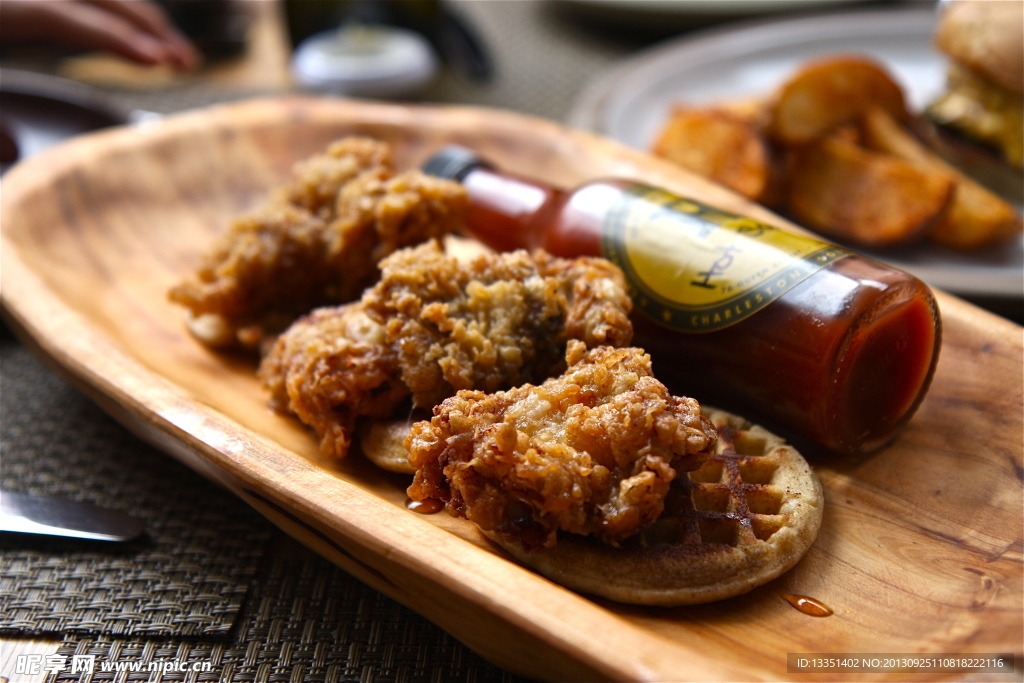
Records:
x=832, y=346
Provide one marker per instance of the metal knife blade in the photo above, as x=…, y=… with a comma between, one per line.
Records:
x=28, y=514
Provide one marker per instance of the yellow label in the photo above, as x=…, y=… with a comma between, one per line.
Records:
x=696, y=268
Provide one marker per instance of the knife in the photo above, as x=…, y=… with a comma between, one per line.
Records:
x=22, y=513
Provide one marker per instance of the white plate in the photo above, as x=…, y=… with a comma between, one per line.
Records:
x=631, y=103
x=696, y=8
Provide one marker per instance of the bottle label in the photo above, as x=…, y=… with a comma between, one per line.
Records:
x=696, y=268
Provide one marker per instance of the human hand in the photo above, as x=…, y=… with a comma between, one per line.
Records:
x=136, y=29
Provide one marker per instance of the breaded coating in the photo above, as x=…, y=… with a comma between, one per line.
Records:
x=317, y=244
x=440, y=325
x=317, y=181
x=378, y=216
x=330, y=368
x=591, y=452
x=258, y=277
x=496, y=322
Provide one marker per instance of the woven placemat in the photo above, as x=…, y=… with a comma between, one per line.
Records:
x=187, y=577
x=304, y=620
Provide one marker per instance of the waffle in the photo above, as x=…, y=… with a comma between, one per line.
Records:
x=383, y=442
x=744, y=518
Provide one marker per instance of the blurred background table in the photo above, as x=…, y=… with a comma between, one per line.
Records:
x=213, y=584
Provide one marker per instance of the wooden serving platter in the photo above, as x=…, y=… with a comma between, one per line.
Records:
x=921, y=545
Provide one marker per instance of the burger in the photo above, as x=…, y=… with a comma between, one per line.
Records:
x=979, y=116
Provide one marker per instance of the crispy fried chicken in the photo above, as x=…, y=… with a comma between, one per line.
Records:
x=442, y=325
x=317, y=243
x=330, y=368
x=316, y=182
x=591, y=452
x=496, y=322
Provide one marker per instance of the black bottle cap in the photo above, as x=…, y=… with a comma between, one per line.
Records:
x=452, y=163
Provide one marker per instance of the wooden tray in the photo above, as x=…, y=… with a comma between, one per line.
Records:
x=921, y=546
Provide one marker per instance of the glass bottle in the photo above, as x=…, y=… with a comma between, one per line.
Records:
x=804, y=335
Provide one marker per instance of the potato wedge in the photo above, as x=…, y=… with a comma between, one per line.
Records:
x=750, y=109
x=977, y=217
x=827, y=93
x=718, y=145
x=864, y=198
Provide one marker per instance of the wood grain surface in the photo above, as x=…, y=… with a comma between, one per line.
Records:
x=921, y=545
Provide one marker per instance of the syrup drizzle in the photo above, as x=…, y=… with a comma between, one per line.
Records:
x=428, y=506
x=809, y=606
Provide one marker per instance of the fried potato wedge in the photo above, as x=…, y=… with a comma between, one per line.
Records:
x=827, y=93
x=976, y=218
x=720, y=145
x=835, y=147
x=864, y=198
x=750, y=109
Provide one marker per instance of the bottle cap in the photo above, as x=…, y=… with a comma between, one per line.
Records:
x=452, y=163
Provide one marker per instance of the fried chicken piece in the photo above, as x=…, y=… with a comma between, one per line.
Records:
x=330, y=368
x=317, y=181
x=439, y=325
x=498, y=321
x=378, y=216
x=318, y=245
x=591, y=452
x=257, y=278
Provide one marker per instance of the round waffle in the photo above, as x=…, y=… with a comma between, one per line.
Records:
x=744, y=518
x=383, y=442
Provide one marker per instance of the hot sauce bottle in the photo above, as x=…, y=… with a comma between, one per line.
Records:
x=810, y=337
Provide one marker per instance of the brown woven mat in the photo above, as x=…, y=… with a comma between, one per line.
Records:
x=187, y=577
x=304, y=620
